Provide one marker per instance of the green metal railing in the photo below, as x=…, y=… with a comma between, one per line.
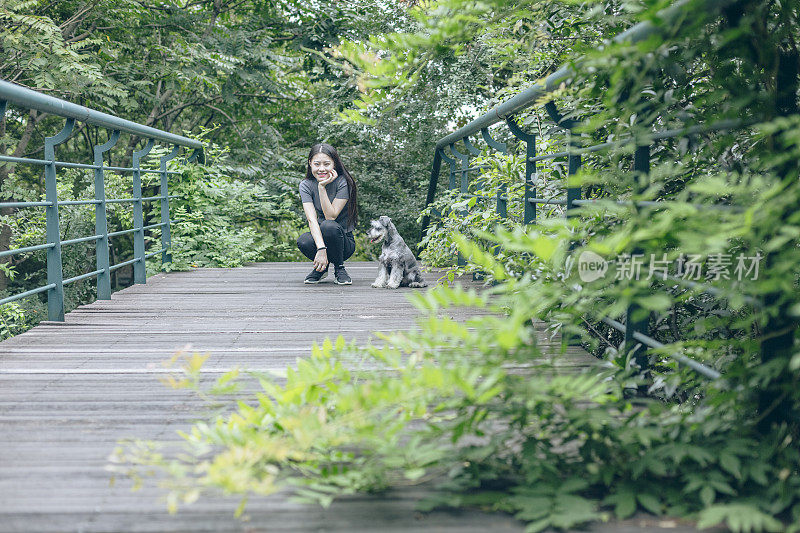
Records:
x=635, y=331
x=27, y=99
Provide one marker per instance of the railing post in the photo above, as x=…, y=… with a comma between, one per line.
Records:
x=197, y=156
x=573, y=160
x=434, y=181
x=438, y=156
x=502, y=202
x=55, y=271
x=634, y=321
x=451, y=182
x=529, y=208
x=573, y=192
x=473, y=151
x=101, y=219
x=139, y=271
x=464, y=158
x=166, y=256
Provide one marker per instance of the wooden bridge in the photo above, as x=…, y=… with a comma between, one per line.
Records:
x=70, y=391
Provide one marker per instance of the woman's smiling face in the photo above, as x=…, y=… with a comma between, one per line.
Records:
x=321, y=165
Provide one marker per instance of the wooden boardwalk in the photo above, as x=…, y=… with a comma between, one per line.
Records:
x=69, y=392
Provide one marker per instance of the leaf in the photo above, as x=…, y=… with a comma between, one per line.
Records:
x=532, y=508
x=544, y=247
x=172, y=502
x=414, y=473
x=573, y=484
x=571, y=510
x=340, y=343
x=707, y=495
x=191, y=496
x=624, y=502
x=650, y=502
x=731, y=463
x=758, y=472
x=740, y=517
x=655, y=302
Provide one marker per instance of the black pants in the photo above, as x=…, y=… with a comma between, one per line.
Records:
x=340, y=244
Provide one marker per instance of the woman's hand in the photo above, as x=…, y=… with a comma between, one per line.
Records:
x=328, y=178
x=321, y=260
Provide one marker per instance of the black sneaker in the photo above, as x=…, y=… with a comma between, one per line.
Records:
x=316, y=276
x=340, y=276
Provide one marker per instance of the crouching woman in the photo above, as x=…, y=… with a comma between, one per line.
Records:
x=328, y=194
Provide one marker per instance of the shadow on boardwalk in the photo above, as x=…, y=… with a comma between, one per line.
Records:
x=69, y=392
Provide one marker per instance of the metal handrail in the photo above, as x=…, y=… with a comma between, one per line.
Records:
x=635, y=332
x=29, y=99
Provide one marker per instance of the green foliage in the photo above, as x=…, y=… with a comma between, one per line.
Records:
x=36, y=49
x=225, y=222
x=13, y=320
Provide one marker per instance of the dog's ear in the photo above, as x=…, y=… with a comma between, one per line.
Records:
x=385, y=221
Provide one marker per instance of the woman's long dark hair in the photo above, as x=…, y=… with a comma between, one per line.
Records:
x=330, y=151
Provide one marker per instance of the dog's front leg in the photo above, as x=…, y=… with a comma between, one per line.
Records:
x=395, y=277
x=383, y=277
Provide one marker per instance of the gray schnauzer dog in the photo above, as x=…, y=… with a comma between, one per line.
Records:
x=398, y=266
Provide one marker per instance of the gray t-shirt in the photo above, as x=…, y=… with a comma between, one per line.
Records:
x=309, y=192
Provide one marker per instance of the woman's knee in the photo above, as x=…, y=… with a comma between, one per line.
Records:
x=331, y=228
x=305, y=242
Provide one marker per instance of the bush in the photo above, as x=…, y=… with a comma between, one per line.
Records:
x=223, y=222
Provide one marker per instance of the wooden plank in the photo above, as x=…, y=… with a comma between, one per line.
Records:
x=69, y=392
